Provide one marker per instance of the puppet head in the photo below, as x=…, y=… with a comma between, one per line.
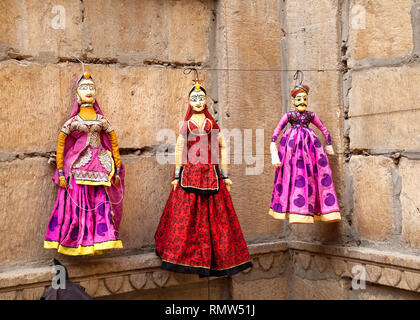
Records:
x=300, y=97
x=86, y=90
x=197, y=96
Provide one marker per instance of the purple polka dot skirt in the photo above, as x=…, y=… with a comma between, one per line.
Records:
x=303, y=189
x=81, y=222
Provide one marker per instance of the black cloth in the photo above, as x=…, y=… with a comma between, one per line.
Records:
x=72, y=291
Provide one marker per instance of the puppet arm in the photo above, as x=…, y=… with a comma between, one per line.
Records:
x=116, y=155
x=224, y=161
x=179, y=149
x=318, y=123
x=59, y=158
x=115, y=149
x=275, y=160
x=280, y=126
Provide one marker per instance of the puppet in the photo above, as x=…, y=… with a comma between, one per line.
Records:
x=90, y=175
x=303, y=190
x=199, y=231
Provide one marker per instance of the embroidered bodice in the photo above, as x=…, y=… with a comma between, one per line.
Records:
x=301, y=120
x=198, y=138
x=92, y=127
x=195, y=128
x=297, y=119
x=94, y=165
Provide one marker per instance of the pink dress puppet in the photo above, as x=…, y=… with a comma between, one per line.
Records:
x=88, y=210
x=303, y=190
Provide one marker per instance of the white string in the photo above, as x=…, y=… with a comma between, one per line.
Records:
x=103, y=202
x=67, y=188
x=83, y=65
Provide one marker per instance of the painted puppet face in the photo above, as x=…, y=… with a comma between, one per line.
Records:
x=198, y=100
x=86, y=91
x=300, y=101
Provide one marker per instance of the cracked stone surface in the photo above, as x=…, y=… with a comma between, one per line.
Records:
x=410, y=201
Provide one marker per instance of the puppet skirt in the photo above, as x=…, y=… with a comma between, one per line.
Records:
x=303, y=190
x=81, y=222
x=200, y=234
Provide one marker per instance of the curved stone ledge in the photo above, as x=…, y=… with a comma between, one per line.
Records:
x=391, y=269
x=115, y=275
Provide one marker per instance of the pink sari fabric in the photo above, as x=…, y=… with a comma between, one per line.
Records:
x=82, y=218
x=303, y=185
x=85, y=215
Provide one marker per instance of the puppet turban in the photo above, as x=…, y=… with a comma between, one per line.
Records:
x=300, y=88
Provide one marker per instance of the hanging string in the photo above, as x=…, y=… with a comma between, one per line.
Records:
x=381, y=113
x=195, y=68
x=67, y=188
x=83, y=65
x=100, y=204
x=271, y=70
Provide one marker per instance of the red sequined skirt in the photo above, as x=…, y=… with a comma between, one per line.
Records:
x=201, y=234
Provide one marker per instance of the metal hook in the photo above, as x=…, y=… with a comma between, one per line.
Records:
x=189, y=71
x=296, y=76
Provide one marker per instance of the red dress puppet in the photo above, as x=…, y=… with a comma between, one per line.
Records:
x=199, y=231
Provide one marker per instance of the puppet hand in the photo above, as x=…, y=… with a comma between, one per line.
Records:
x=63, y=182
x=228, y=183
x=117, y=179
x=174, y=183
x=275, y=160
x=329, y=150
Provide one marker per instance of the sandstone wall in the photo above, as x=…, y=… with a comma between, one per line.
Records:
x=361, y=60
x=138, y=93
x=381, y=117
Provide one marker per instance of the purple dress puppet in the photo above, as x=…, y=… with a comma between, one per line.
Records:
x=87, y=214
x=303, y=189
